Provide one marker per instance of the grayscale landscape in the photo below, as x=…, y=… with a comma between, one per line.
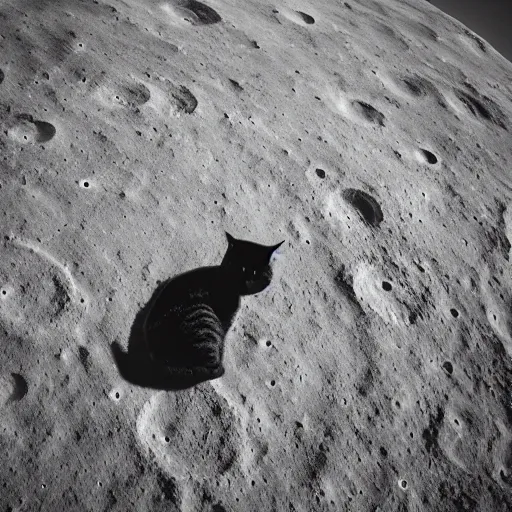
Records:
x=374, y=137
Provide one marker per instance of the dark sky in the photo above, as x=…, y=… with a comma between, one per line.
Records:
x=490, y=19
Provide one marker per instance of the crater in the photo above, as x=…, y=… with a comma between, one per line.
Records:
x=367, y=112
x=43, y=287
x=236, y=85
x=417, y=86
x=386, y=286
x=204, y=15
x=133, y=95
x=2, y=76
x=27, y=130
x=306, y=17
x=45, y=131
x=483, y=108
x=183, y=99
x=448, y=367
x=414, y=86
x=477, y=40
x=20, y=387
x=365, y=205
x=216, y=433
x=425, y=32
x=429, y=156
x=392, y=36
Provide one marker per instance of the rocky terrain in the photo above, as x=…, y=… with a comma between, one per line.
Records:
x=375, y=373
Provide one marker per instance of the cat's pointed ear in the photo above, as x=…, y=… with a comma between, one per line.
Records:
x=231, y=240
x=275, y=247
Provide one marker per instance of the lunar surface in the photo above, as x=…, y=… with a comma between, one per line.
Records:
x=375, y=373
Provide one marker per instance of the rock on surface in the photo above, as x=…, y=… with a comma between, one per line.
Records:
x=375, y=372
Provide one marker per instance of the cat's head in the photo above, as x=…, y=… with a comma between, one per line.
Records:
x=249, y=264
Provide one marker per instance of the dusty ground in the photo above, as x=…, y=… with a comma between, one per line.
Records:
x=375, y=137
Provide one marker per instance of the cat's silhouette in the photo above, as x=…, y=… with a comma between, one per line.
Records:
x=186, y=322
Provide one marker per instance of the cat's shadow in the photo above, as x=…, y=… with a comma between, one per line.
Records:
x=136, y=366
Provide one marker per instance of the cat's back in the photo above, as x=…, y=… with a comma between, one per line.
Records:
x=183, y=328
x=194, y=286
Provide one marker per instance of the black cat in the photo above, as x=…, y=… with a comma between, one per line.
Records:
x=188, y=321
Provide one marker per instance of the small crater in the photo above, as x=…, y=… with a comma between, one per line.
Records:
x=306, y=17
x=427, y=32
x=403, y=484
x=386, y=286
x=419, y=87
x=134, y=95
x=429, y=156
x=115, y=395
x=415, y=86
x=448, y=367
x=477, y=40
x=184, y=100
x=320, y=173
x=2, y=76
x=236, y=85
x=45, y=131
x=27, y=130
x=488, y=111
x=365, y=204
x=83, y=355
x=369, y=113
x=205, y=14
x=454, y=312
x=85, y=184
x=392, y=36
x=20, y=387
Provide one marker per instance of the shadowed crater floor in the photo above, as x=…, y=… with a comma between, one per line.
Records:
x=369, y=113
x=365, y=204
x=205, y=14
